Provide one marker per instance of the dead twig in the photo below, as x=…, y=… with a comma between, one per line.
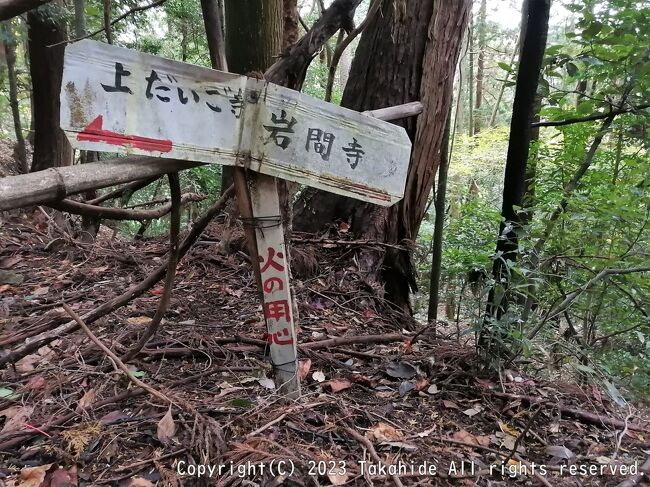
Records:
x=351, y=340
x=359, y=243
x=163, y=304
x=267, y=425
x=116, y=360
x=371, y=449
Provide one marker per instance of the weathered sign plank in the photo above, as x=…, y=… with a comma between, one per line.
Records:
x=117, y=100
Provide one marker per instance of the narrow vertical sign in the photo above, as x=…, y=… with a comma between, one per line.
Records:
x=276, y=291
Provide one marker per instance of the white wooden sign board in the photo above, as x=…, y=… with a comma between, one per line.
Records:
x=117, y=100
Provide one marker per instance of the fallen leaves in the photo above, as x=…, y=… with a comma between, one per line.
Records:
x=467, y=437
x=139, y=482
x=16, y=417
x=557, y=451
x=138, y=320
x=31, y=476
x=166, y=427
x=267, y=383
x=318, y=376
x=401, y=370
x=382, y=432
x=338, y=385
x=86, y=400
x=303, y=369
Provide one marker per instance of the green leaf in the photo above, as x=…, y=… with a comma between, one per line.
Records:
x=593, y=29
x=504, y=66
x=240, y=403
x=7, y=393
x=584, y=368
x=572, y=69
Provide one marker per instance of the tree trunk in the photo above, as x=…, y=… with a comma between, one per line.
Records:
x=534, y=29
x=290, y=19
x=10, y=53
x=480, y=68
x=440, y=203
x=251, y=45
x=213, y=18
x=404, y=55
x=470, y=81
x=79, y=18
x=51, y=149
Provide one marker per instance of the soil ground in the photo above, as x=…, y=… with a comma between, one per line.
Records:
x=69, y=417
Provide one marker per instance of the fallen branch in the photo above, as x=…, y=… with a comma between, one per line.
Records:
x=589, y=118
x=57, y=183
x=352, y=340
x=195, y=232
x=120, y=365
x=579, y=414
x=84, y=209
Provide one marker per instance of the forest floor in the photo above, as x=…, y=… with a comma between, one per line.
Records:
x=69, y=417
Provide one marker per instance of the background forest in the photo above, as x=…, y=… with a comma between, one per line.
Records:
x=578, y=283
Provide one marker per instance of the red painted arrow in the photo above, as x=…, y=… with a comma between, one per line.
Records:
x=95, y=133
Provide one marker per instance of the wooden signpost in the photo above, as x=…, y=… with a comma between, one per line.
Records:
x=118, y=100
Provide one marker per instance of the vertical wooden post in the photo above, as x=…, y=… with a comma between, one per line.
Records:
x=276, y=290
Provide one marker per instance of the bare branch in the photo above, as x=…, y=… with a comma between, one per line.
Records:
x=343, y=45
x=163, y=304
x=84, y=209
x=597, y=116
x=141, y=8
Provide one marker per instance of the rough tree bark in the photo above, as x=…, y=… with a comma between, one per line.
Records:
x=404, y=55
x=290, y=23
x=10, y=54
x=45, y=27
x=480, y=67
x=534, y=31
x=253, y=40
x=252, y=46
x=213, y=19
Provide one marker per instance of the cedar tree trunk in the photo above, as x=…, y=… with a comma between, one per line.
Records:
x=51, y=149
x=404, y=55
